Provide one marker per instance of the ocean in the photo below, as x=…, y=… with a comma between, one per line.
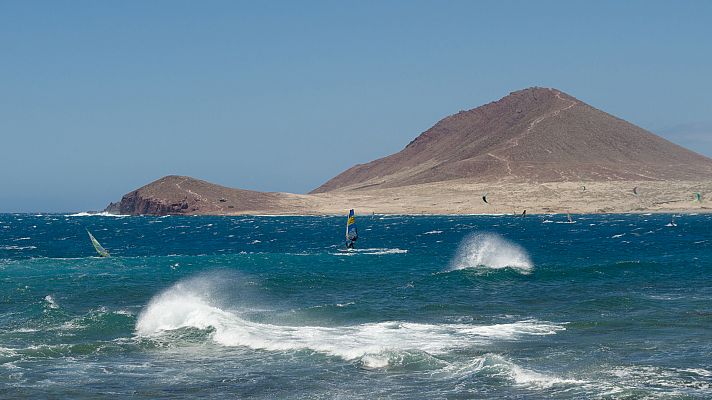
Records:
x=432, y=307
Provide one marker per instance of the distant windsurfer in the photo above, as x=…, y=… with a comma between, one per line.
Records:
x=97, y=246
x=351, y=231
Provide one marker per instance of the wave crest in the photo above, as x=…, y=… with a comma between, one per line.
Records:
x=373, y=345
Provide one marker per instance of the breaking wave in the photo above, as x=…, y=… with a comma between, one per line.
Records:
x=373, y=345
x=96, y=214
x=490, y=251
x=494, y=365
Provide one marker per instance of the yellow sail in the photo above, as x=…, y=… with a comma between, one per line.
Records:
x=97, y=246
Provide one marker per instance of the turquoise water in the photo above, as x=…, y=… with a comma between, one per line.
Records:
x=611, y=306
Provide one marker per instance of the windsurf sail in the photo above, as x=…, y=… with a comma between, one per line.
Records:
x=568, y=217
x=97, y=246
x=524, y=213
x=672, y=221
x=351, y=231
x=698, y=197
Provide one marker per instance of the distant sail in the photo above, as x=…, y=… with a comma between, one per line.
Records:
x=583, y=188
x=635, y=190
x=698, y=197
x=97, y=246
x=568, y=217
x=524, y=213
x=351, y=231
x=484, y=198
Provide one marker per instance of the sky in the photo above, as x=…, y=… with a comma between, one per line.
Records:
x=98, y=98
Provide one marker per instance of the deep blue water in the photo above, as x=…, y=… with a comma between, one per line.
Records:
x=611, y=306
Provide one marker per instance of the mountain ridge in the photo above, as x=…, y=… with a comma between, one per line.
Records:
x=532, y=135
x=534, y=149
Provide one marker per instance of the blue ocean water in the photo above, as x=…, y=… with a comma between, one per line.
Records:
x=611, y=306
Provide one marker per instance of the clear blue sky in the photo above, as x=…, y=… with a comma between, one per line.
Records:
x=100, y=97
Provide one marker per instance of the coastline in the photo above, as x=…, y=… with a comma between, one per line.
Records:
x=441, y=198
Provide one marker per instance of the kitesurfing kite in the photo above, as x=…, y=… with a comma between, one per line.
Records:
x=351, y=231
x=635, y=190
x=97, y=246
x=484, y=198
x=698, y=197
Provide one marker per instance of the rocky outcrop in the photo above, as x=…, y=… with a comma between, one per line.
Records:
x=184, y=195
x=134, y=203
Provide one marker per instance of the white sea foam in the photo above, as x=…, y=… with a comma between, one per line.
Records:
x=373, y=344
x=497, y=365
x=523, y=376
x=25, y=330
x=98, y=214
x=385, y=251
x=370, y=251
x=490, y=251
x=694, y=382
x=433, y=232
x=17, y=247
x=50, y=301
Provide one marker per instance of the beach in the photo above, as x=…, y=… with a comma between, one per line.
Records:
x=463, y=197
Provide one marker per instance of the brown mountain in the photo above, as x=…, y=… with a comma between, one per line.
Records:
x=530, y=136
x=530, y=150
x=185, y=195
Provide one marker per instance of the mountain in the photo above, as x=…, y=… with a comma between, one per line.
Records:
x=536, y=149
x=530, y=136
x=185, y=195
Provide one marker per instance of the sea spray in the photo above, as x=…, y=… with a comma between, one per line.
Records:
x=490, y=251
x=196, y=302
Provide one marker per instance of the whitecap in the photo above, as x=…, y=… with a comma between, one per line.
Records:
x=370, y=251
x=50, y=302
x=187, y=305
x=499, y=366
x=95, y=214
x=17, y=247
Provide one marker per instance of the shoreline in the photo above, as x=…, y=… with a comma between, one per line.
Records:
x=365, y=215
x=175, y=195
